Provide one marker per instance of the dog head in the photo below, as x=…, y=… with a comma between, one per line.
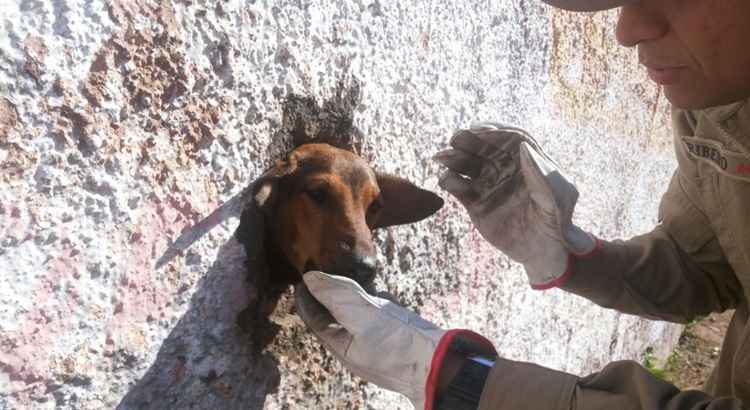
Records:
x=321, y=205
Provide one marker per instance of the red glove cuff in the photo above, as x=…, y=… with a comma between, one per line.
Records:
x=460, y=340
x=568, y=268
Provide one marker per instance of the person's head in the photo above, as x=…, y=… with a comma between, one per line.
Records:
x=698, y=50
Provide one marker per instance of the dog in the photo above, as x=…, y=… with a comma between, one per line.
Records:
x=320, y=206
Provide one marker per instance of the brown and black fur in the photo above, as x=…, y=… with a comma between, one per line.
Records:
x=320, y=206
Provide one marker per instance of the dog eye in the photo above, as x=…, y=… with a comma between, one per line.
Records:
x=375, y=206
x=317, y=195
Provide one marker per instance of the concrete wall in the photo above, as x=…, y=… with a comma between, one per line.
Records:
x=128, y=130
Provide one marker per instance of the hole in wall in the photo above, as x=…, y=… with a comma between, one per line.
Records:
x=305, y=120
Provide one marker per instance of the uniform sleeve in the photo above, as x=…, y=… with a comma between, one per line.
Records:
x=677, y=272
x=621, y=386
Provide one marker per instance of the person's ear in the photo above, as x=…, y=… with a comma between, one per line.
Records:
x=403, y=202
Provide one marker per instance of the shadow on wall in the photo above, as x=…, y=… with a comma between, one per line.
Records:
x=208, y=361
x=223, y=352
x=332, y=122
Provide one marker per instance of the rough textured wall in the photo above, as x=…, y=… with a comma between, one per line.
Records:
x=128, y=130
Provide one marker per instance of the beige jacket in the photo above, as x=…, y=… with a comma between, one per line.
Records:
x=696, y=261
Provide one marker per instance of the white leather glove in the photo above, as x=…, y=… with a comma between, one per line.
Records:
x=517, y=199
x=377, y=339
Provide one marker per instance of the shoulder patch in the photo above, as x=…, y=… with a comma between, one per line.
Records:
x=732, y=164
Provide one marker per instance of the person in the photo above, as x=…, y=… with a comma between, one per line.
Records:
x=695, y=261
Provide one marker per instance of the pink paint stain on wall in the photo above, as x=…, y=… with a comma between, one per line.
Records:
x=146, y=293
x=28, y=352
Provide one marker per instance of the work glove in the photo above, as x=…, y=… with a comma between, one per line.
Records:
x=517, y=198
x=379, y=340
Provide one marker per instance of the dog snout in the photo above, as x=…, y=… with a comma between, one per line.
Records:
x=363, y=269
x=356, y=258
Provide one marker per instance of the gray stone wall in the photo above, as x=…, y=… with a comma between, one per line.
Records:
x=129, y=129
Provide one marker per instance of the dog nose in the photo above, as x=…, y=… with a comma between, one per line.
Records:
x=363, y=269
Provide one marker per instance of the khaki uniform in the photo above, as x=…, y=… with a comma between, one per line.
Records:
x=696, y=261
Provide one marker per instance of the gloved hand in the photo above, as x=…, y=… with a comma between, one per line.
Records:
x=517, y=199
x=378, y=340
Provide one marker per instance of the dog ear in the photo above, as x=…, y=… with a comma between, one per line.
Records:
x=404, y=202
x=265, y=189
